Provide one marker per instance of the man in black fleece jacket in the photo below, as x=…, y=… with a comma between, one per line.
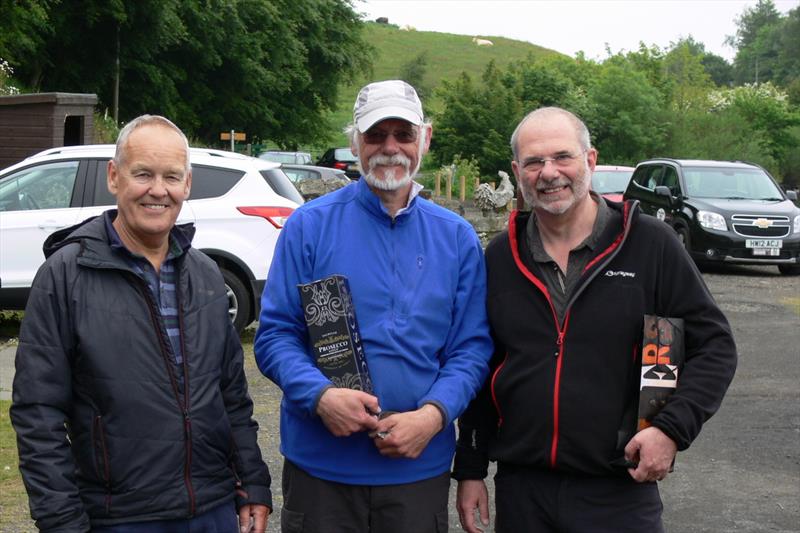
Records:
x=568, y=288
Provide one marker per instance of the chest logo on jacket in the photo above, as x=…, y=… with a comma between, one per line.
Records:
x=622, y=273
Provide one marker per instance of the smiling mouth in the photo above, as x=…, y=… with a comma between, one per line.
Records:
x=553, y=190
x=155, y=207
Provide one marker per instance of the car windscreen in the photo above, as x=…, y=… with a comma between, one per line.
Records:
x=344, y=154
x=278, y=157
x=730, y=183
x=610, y=181
x=276, y=179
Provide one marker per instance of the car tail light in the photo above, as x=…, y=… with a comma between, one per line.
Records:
x=340, y=165
x=275, y=215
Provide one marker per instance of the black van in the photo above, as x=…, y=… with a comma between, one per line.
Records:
x=723, y=211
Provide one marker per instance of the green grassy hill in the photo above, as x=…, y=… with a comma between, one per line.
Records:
x=448, y=55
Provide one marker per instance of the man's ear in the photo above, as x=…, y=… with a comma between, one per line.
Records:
x=428, y=135
x=591, y=158
x=112, y=177
x=188, y=187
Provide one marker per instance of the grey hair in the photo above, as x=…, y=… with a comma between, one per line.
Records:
x=146, y=120
x=352, y=132
x=582, y=132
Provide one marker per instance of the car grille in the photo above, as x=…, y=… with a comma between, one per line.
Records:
x=761, y=226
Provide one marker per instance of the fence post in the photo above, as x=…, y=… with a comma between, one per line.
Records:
x=438, y=190
x=449, y=186
x=462, y=188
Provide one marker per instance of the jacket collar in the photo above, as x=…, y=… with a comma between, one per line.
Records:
x=370, y=201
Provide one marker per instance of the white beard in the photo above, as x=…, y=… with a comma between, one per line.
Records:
x=390, y=180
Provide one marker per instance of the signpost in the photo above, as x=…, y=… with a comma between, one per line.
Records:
x=232, y=136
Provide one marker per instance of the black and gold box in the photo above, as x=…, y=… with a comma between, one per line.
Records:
x=333, y=333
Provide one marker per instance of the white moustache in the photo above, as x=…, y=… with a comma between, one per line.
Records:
x=389, y=160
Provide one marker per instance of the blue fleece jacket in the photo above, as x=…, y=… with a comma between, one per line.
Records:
x=418, y=284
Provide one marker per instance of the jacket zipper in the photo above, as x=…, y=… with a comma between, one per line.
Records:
x=182, y=405
x=561, y=329
x=100, y=440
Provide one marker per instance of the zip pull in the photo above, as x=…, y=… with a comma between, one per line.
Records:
x=559, y=343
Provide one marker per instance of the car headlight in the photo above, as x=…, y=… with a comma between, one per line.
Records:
x=711, y=220
x=796, y=226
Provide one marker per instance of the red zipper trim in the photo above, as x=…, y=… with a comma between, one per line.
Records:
x=494, y=396
x=512, y=236
x=614, y=244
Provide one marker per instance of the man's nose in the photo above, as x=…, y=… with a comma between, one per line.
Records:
x=390, y=144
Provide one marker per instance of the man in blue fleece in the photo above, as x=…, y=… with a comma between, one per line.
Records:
x=417, y=281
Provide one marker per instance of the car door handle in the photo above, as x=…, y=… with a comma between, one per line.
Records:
x=51, y=224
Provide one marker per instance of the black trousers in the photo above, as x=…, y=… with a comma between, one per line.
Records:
x=313, y=505
x=541, y=501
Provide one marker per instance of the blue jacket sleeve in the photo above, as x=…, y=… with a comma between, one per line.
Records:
x=281, y=342
x=468, y=348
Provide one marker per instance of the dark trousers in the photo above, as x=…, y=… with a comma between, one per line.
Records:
x=313, y=505
x=220, y=519
x=538, y=501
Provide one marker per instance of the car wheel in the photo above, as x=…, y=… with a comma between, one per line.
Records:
x=683, y=236
x=789, y=270
x=238, y=300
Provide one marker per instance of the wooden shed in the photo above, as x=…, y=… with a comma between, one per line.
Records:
x=30, y=123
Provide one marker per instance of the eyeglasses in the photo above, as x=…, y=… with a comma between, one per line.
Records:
x=403, y=136
x=147, y=178
x=535, y=164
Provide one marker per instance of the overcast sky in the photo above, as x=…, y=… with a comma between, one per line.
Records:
x=569, y=26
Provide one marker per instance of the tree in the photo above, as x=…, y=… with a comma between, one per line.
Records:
x=718, y=69
x=754, y=42
x=477, y=122
x=626, y=115
x=413, y=72
x=270, y=69
x=688, y=78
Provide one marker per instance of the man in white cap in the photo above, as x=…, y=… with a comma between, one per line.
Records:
x=418, y=285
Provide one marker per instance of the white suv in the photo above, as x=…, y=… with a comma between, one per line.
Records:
x=238, y=205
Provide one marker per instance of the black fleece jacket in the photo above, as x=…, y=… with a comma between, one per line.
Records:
x=104, y=434
x=564, y=395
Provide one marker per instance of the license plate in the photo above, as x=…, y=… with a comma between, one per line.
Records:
x=767, y=251
x=764, y=243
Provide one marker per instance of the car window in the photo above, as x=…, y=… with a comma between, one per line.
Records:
x=278, y=157
x=647, y=176
x=47, y=186
x=610, y=181
x=207, y=182
x=732, y=183
x=670, y=179
x=344, y=154
x=297, y=174
x=279, y=183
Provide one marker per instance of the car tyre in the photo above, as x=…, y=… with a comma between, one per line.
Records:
x=683, y=236
x=789, y=270
x=238, y=300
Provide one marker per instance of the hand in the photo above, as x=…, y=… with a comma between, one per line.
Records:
x=654, y=451
x=407, y=434
x=347, y=411
x=253, y=518
x=471, y=495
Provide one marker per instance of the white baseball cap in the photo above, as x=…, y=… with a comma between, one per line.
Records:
x=386, y=99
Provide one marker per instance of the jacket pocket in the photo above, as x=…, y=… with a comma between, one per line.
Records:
x=102, y=466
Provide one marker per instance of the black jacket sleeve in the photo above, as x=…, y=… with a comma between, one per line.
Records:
x=251, y=471
x=710, y=361
x=476, y=426
x=41, y=401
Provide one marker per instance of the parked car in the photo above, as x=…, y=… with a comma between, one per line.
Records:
x=722, y=211
x=343, y=159
x=297, y=158
x=312, y=181
x=611, y=181
x=237, y=203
